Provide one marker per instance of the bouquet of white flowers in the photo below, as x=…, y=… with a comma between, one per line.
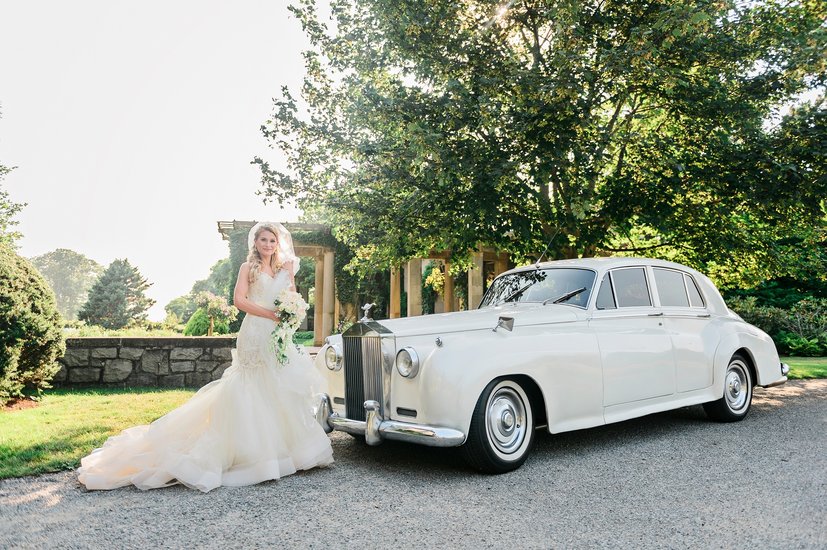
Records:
x=292, y=310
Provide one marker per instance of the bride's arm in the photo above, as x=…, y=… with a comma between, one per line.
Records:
x=242, y=287
x=289, y=268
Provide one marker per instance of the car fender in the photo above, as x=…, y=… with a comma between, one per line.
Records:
x=761, y=351
x=564, y=364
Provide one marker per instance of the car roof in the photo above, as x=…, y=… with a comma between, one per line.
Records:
x=603, y=263
x=714, y=300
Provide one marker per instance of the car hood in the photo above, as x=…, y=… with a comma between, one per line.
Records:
x=478, y=319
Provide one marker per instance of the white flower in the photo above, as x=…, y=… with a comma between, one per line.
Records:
x=292, y=310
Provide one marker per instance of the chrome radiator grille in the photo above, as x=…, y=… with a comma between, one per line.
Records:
x=363, y=373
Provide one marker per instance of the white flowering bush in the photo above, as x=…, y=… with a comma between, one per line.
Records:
x=292, y=310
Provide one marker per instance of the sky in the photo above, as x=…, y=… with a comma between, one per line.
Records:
x=132, y=126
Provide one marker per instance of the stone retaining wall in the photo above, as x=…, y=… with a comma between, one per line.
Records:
x=164, y=362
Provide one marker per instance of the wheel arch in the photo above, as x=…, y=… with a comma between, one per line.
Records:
x=748, y=357
x=535, y=396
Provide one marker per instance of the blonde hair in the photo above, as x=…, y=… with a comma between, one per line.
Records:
x=254, y=258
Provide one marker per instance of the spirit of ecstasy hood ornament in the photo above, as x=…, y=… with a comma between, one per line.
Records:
x=366, y=317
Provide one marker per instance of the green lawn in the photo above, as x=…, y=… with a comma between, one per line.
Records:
x=806, y=367
x=68, y=424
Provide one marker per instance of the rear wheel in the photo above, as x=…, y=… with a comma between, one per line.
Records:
x=502, y=429
x=735, y=403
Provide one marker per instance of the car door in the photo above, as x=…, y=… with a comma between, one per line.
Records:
x=635, y=348
x=687, y=322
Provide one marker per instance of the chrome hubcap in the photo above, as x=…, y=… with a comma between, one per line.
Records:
x=736, y=386
x=505, y=420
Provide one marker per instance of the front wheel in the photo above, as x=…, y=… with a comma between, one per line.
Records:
x=502, y=429
x=735, y=403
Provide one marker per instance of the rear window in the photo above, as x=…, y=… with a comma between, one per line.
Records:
x=671, y=288
x=695, y=299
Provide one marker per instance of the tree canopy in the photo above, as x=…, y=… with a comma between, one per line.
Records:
x=661, y=128
x=8, y=210
x=117, y=297
x=71, y=275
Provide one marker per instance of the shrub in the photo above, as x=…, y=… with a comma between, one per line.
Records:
x=31, y=338
x=769, y=319
x=800, y=330
x=199, y=324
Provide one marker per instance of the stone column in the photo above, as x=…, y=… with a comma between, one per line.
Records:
x=395, y=307
x=475, y=281
x=448, y=289
x=318, y=338
x=413, y=286
x=329, y=296
x=501, y=263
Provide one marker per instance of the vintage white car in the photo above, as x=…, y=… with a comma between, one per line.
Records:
x=563, y=345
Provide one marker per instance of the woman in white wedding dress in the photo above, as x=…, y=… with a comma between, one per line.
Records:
x=252, y=425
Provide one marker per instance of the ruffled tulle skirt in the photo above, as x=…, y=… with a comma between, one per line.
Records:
x=254, y=424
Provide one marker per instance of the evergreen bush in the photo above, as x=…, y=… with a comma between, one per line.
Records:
x=117, y=297
x=31, y=339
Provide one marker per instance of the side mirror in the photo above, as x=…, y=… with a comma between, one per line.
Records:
x=505, y=322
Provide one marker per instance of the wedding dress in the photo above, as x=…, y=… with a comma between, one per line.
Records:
x=252, y=425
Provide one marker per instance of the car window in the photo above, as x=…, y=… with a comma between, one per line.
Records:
x=605, y=296
x=631, y=288
x=695, y=299
x=671, y=289
x=542, y=285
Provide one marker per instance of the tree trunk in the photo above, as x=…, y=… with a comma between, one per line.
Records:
x=212, y=325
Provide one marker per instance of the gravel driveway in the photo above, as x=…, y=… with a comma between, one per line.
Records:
x=668, y=480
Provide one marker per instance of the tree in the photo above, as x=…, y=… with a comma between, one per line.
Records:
x=31, y=340
x=8, y=210
x=117, y=297
x=70, y=275
x=600, y=127
x=217, y=282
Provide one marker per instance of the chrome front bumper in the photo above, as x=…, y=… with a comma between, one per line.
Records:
x=376, y=430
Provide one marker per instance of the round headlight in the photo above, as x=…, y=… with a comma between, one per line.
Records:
x=333, y=358
x=407, y=362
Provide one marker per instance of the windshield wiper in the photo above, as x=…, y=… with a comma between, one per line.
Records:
x=565, y=296
x=516, y=293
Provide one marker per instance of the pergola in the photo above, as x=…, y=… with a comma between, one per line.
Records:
x=327, y=306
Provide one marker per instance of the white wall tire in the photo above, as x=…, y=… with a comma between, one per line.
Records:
x=502, y=428
x=738, y=384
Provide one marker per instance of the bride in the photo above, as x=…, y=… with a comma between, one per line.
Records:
x=252, y=425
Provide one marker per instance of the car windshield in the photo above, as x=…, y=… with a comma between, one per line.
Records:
x=542, y=285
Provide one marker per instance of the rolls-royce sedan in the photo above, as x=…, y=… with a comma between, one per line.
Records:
x=563, y=345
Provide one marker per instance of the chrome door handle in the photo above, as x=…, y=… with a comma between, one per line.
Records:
x=704, y=315
x=656, y=314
